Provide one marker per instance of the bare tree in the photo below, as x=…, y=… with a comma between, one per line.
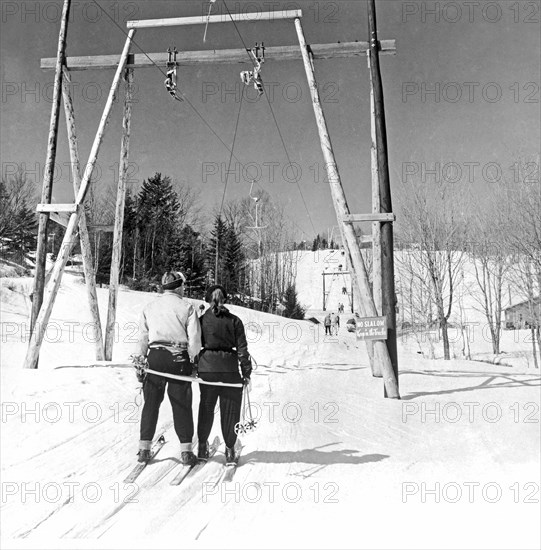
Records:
x=432, y=225
x=524, y=236
x=100, y=204
x=190, y=208
x=490, y=258
x=266, y=234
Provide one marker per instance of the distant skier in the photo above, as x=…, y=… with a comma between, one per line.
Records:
x=224, y=349
x=171, y=335
x=327, y=323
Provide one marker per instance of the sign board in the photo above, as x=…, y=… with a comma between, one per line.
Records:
x=371, y=328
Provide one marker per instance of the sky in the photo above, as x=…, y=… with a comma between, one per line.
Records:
x=461, y=97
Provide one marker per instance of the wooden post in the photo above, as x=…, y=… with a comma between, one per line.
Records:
x=47, y=187
x=34, y=346
x=376, y=227
x=86, y=248
x=119, y=218
x=348, y=234
x=387, y=244
x=324, y=304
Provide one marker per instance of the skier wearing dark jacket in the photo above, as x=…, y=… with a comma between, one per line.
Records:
x=224, y=350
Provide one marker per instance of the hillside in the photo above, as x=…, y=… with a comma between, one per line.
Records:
x=331, y=464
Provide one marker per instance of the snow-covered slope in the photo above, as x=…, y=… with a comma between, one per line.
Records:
x=454, y=464
x=309, y=280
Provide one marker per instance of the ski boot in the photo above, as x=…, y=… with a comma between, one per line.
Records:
x=188, y=458
x=231, y=456
x=203, y=451
x=143, y=455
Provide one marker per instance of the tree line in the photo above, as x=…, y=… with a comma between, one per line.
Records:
x=456, y=243
x=250, y=247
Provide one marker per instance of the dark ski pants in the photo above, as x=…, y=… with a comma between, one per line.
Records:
x=179, y=393
x=328, y=330
x=230, y=408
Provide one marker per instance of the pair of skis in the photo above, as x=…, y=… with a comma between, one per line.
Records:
x=186, y=470
x=190, y=470
x=227, y=475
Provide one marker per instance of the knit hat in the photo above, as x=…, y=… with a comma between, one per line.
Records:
x=172, y=280
x=211, y=289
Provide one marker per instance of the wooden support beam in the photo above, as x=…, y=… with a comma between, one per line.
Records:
x=348, y=234
x=53, y=286
x=63, y=219
x=119, y=219
x=101, y=228
x=48, y=175
x=70, y=208
x=277, y=53
x=86, y=248
x=60, y=218
x=387, y=237
x=327, y=273
x=376, y=217
x=222, y=18
x=324, y=296
x=366, y=239
x=376, y=226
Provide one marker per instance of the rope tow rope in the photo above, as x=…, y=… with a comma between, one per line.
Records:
x=250, y=53
x=194, y=109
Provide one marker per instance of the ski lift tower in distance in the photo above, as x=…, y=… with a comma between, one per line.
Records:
x=256, y=227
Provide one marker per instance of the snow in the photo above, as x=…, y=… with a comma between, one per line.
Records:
x=331, y=464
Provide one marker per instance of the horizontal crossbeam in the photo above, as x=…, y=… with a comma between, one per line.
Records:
x=277, y=53
x=222, y=18
x=60, y=218
x=358, y=218
x=63, y=218
x=327, y=273
x=56, y=208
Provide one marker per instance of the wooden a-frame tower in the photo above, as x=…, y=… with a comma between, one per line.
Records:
x=382, y=353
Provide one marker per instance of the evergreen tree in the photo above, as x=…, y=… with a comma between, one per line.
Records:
x=231, y=255
x=105, y=254
x=157, y=220
x=218, y=235
x=234, y=260
x=18, y=221
x=129, y=239
x=187, y=255
x=293, y=309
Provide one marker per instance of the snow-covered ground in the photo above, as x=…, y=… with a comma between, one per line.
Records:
x=454, y=464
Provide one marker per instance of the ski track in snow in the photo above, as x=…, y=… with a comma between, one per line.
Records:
x=324, y=433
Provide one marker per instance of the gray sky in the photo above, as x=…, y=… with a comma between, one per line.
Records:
x=481, y=60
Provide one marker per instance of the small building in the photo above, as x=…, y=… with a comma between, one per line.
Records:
x=523, y=315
